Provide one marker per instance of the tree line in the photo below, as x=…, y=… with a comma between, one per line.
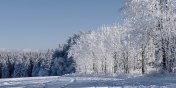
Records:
x=52, y=62
x=144, y=42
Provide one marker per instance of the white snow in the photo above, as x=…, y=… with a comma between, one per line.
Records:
x=90, y=82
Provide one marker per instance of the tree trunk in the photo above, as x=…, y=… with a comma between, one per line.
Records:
x=164, y=67
x=115, y=62
x=143, y=59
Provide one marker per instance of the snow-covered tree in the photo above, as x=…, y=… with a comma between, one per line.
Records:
x=99, y=52
x=62, y=64
x=154, y=20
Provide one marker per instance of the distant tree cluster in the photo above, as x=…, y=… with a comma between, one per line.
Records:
x=37, y=63
x=24, y=64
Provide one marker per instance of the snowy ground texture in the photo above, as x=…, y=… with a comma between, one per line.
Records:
x=90, y=82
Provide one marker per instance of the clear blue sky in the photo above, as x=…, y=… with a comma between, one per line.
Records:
x=42, y=24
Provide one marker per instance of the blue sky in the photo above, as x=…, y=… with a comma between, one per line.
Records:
x=42, y=24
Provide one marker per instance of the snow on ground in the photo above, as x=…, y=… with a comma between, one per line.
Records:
x=90, y=82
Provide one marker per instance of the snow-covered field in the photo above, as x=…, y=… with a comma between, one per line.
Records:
x=90, y=82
